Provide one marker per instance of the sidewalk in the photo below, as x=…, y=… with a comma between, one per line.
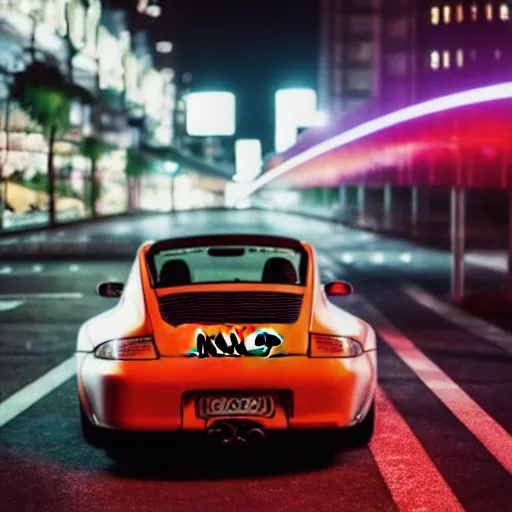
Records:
x=492, y=259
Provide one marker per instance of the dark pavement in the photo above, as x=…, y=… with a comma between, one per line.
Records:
x=444, y=417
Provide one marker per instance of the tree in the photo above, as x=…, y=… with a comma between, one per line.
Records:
x=3, y=193
x=46, y=96
x=93, y=149
x=138, y=163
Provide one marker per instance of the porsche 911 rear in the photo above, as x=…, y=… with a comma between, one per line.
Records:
x=235, y=361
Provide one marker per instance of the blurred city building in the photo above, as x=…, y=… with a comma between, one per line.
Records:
x=403, y=51
x=131, y=70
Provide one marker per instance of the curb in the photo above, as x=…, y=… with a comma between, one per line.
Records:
x=13, y=232
x=390, y=235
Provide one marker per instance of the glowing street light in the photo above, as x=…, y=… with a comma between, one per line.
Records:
x=171, y=167
x=164, y=47
x=154, y=11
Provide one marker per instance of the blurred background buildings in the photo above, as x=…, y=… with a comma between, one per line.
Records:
x=404, y=51
x=134, y=123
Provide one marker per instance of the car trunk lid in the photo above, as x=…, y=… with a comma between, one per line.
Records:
x=269, y=320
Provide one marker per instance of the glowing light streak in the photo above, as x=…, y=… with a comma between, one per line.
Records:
x=452, y=101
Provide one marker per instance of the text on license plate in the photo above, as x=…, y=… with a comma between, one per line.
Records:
x=262, y=406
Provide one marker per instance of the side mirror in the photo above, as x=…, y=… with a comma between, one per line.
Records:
x=110, y=289
x=338, y=289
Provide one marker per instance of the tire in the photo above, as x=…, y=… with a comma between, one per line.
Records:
x=361, y=434
x=91, y=433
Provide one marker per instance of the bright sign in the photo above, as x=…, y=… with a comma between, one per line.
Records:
x=249, y=159
x=211, y=114
x=294, y=108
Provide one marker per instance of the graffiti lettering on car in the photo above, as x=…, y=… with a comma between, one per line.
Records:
x=235, y=341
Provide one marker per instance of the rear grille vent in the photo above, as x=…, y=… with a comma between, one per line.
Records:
x=231, y=308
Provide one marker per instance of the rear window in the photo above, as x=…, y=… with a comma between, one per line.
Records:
x=228, y=264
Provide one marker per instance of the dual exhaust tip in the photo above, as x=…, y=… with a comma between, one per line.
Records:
x=229, y=433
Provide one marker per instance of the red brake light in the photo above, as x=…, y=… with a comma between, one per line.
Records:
x=338, y=288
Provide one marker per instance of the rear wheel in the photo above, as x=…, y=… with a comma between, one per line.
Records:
x=362, y=433
x=90, y=432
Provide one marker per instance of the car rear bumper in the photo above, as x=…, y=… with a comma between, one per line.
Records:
x=159, y=395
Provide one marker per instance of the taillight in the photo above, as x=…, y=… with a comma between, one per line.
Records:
x=324, y=345
x=127, y=348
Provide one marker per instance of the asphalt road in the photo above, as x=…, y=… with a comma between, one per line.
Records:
x=444, y=414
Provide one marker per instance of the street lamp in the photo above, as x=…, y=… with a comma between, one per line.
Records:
x=153, y=10
x=171, y=168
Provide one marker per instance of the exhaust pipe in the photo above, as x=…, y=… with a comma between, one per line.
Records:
x=226, y=433
x=255, y=436
x=223, y=433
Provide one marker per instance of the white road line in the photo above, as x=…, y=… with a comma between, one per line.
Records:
x=329, y=274
x=410, y=475
x=492, y=435
x=32, y=393
x=328, y=266
x=491, y=261
x=41, y=296
x=460, y=318
x=9, y=305
x=325, y=260
x=347, y=258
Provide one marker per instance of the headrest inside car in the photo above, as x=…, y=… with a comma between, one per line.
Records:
x=279, y=271
x=175, y=273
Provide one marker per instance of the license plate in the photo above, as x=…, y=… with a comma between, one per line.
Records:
x=211, y=406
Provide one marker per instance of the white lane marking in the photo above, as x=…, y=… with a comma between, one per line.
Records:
x=74, y=268
x=410, y=475
x=405, y=257
x=329, y=274
x=5, y=270
x=493, y=261
x=378, y=258
x=26, y=397
x=122, y=230
x=347, y=258
x=41, y=296
x=460, y=318
x=37, y=268
x=325, y=260
x=9, y=305
x=328, y=267
x=492, y=435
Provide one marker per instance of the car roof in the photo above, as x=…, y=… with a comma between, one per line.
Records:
x=226, y=239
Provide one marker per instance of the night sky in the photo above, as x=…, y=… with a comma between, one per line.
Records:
x=249, y=47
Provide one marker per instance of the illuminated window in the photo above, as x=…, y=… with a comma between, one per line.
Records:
x=460, y=58
x=488, y=11
x=497, y=54
x=447, y=11
x=460, y=13
x=474, y=12
x=434, y=60
x=504, y=12
x=434, y=15
x=446, y=59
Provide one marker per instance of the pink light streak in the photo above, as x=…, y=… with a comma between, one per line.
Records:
x=452, y=101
